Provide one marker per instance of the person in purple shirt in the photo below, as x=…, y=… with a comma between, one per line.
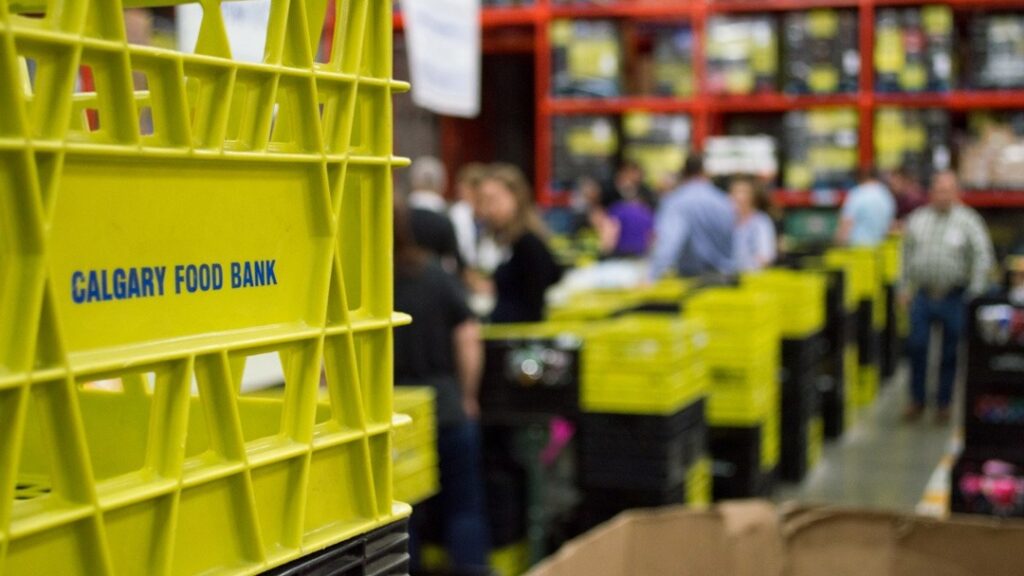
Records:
x=694, y=228
x=625, y=228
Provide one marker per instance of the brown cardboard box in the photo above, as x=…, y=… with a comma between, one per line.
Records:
x=757, y=539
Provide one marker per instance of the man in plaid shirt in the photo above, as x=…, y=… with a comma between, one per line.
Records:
x=947, y=260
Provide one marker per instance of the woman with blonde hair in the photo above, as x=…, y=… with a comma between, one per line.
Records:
x=528, y=270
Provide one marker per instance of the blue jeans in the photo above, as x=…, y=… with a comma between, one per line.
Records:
x=949, y=312
x=461, y=503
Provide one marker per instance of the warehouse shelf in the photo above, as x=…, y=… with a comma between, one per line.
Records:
x=619, y=105
x=734, y=6
x=777, y=102
x=528, y=31
x=975, y=199
x=956, y=100
x=645, y=9
x=495, y=17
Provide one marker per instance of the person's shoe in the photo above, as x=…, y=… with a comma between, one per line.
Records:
x=913, y=413
x=942, y=416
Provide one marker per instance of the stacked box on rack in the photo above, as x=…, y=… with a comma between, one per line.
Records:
x=820, y=50
x=989, y=476
x=915, y=140
x=658, y=144
x=802, y=295
x=862, y=267
x=586, y=58
x=820, y=148
x=583, y=146
x=743, y=358
x=914, y=49
x=672, y=62
x=416, y=475
x=742, y=54
x=253, y=219
x=996, y=50
x=531, y=369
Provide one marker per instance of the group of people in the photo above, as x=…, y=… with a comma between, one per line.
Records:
x=690, y=230
x=492, y=241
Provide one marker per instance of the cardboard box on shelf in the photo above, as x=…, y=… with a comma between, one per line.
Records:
x=756, y=538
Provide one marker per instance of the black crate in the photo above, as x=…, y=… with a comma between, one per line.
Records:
x=736, y=463
x=803, y=354
x=383, y=552
x=529, y=378
x=640, y=452
x=994, y=416
x=995, y=349
x=869, y=342
x=892, y=342
x=989, y=483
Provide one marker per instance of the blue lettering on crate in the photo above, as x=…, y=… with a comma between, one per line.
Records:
x=253, y=274
x=115, y=284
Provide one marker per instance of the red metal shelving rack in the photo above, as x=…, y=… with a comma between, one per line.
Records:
x=706, y=110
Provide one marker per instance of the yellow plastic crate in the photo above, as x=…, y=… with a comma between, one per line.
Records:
x=591, y=306
x=699, y=483
x=416, y=473
x=643, y=364
x=864, y=265
x=892, y=260
x=815, y=442
x=735, y=309
x=801, y=296
x=250, y=216
x=868, y=380
x=771, y=444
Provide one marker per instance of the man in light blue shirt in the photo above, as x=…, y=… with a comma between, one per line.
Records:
x=694, y=228
x=868, y=213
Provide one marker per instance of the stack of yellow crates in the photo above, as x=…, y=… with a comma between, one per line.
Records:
x=801, y=296
x=416, y=475
x=743, y=361
x=862, y=267
x=699, y=482
x=643, y=364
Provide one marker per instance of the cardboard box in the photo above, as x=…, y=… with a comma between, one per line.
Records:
x=755, y=538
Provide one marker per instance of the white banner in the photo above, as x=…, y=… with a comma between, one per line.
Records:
x=443, y=40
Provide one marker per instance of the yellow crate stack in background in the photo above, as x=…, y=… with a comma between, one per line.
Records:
x=801, y=297
x=252, y=216
x=643, y=364
x=863, y=267
x=416, y=473
x=743, y=360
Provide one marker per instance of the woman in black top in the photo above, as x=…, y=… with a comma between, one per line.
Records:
x=442, y=348
x=521, y=281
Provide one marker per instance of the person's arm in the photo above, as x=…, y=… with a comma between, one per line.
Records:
x=767, y=247
x=982, y=256
x=845, y=227
x=469, y=364
x=608, y=230
x=907, y=287
x=671, y=232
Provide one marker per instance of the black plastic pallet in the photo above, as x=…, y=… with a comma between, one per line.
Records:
x=736, y=462
x=640, y=452
x=892, y=346
x=383, y=552
x=504, y=396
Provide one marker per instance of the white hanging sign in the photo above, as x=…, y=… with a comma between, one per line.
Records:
x=443, y=40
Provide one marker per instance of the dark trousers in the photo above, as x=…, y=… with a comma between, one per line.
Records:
x=949, y=312
x=461, y=504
